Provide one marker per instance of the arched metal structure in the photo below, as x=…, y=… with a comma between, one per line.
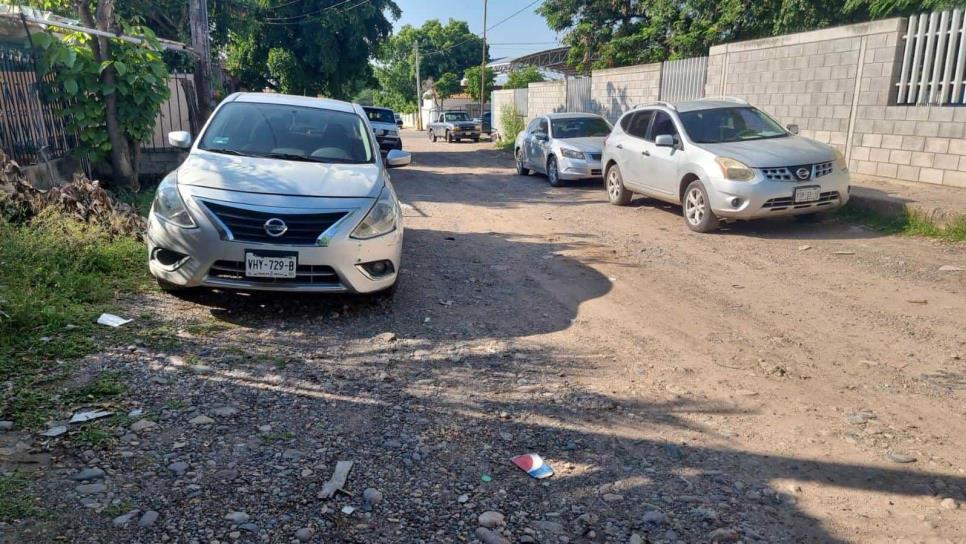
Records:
x=550, y=59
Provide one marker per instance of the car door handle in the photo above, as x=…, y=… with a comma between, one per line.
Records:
x=646, y=153
x=620, y=146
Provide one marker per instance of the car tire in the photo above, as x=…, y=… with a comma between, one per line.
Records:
x=617, y=194
x=521, y=170
x=449, y=137
x=432, y=136
x=476, y=140
x=553, y=173
x=696, y=209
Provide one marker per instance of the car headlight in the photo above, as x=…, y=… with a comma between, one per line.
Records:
x=169, y=205
x=840, y=162
x=734, y=170
x=572, y=154
x=382, y=218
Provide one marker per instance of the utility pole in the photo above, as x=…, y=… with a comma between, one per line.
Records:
x=483, y=68
x=419, y=93
x=200, y=42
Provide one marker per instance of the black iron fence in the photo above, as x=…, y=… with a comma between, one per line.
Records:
x=32, y=126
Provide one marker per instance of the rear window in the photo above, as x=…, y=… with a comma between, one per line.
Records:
x=379, y=115
x=288, y=133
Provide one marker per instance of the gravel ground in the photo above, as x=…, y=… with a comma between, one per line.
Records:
x=776, y=382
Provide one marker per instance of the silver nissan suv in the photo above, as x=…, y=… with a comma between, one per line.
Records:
x=721, y=159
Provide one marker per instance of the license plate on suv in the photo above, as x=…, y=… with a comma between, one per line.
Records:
x=271, y=264
x=807, y=194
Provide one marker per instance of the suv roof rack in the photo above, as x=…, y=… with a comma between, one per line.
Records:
x=667, y=105
x=734, y=99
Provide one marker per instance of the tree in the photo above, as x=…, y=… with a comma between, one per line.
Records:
x=472, y=76
x=522, y=77
x=443, y=48
x=446, y=86
x=111, y=89
x=608, y=33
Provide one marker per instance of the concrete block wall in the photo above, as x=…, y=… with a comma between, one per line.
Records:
x=546, y=97
x=500, y=100
x=617, y=90
x=160, y=162
x=912, y=143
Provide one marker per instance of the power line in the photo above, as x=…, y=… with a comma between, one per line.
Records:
x=505, y=19
x=302, y=17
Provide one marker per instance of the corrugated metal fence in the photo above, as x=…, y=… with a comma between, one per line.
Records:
x=578, y=94
x=683, y=79
x=933, y=59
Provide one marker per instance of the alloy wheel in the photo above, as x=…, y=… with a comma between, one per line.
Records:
x=552, y=173
x=613, y=184
x=695, y=207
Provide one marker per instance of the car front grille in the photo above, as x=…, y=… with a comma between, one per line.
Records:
x=249, y=225
x=788, y=202
x=785, y=173
x=305, y=274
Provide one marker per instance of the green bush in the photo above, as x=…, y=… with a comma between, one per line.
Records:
x=57, y=275
x=511, y=123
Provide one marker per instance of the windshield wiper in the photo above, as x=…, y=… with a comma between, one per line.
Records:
x=290, y=157
x=225, y=151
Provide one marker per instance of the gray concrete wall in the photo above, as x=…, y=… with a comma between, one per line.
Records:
x=500, y=100
x=617, y=90
x=546, y=97
x=160, y=163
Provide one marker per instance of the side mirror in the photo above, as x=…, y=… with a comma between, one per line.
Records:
x=399, y=123
x=542, y=136
x=180, y=139
x=664, y=140
x=396, y=158
x=792, y=128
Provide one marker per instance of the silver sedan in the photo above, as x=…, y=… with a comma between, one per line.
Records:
x=279, y=193
x=564, y=146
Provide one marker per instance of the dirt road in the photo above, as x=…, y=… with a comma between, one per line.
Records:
x=775, y=382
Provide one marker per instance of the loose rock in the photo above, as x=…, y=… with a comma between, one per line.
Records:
x=148, y=519
x=237, y=517
x=491, y=520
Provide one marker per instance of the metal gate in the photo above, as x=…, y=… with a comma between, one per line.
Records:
x=683, y=79
x=520, y=101
x=578, y=94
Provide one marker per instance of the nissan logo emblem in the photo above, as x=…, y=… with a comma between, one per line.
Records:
x=275, y=227
x=803, y=173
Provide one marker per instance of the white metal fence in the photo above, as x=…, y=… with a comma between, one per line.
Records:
x=578, y=94
x=933, y=59
x=683, y=79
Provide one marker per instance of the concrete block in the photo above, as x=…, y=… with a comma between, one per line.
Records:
x=937, y=145
x=908, y=173
x=886, y=170
x=913, y=143
x=920, y=158
x=930, y=175
x=899, y=156
x=945, y=161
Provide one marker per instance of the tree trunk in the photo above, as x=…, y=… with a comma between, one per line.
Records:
x=122, y=164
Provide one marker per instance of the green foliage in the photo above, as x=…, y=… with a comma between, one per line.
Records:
x=57, y=276
x=473, y=82
x=511, y=123
x=605, y=33
x=140, y=86
x=311, y=47
x=522, y=77
x=910, y=223
x=447, y=85
x=449, y=48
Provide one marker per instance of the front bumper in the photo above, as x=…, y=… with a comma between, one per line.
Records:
x=465, y=133
x=387, y=143
x=574, y=169
x=210, y=254
x=763, y=198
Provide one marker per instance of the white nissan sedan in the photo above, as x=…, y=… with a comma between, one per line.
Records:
x=279, y=193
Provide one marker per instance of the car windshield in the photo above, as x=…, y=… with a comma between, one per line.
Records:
x=579, y=127
x=288, y=132
x=379, y=115
x=458, y=116
x=721, y=125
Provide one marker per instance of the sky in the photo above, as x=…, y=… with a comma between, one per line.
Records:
x=526, y=32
